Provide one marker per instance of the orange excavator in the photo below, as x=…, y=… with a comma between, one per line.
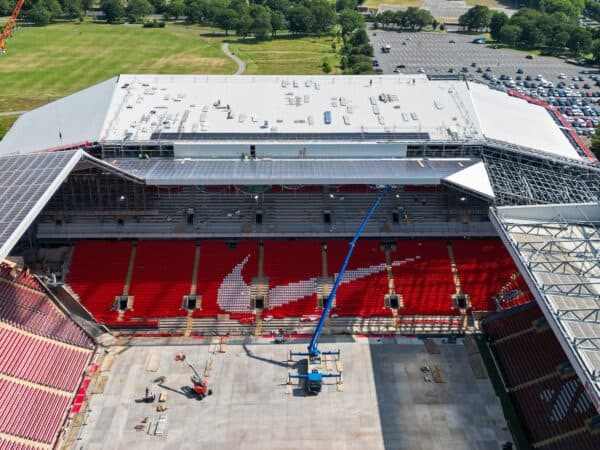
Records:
x=8, y=28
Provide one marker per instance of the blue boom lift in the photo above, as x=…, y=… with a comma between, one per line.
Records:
x=314, y=376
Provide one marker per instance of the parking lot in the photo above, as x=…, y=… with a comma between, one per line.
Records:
x=444, y=53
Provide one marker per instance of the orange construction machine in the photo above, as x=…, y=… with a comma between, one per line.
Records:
x=8, y=28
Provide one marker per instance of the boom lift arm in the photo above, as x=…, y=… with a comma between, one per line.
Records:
x=314, y=375
x=6, y=32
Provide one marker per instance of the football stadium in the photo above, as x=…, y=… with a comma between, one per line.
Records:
x=174, y=238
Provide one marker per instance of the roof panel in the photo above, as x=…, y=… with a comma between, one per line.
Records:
x=26, y=184
x=218, y=172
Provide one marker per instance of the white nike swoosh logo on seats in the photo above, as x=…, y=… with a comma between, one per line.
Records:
x=234, y=293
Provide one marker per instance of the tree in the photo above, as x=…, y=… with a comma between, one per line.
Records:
x=565, y=6
x=278, y=5
x=558, y=40
x=39, y=14
x=299, y=19
x=138, y=9
x=497, y=21
x=323, y=16
x=278, y=22
x=386, y=17
x=159, y=6
x=72, y=8
x=113, y=10
x=580, y=40
x=595, y=148
x=596, y=52
x=510, y=34
x=226, y=19
x=87, y=5
x=345, y=4
x=358, y=37
x=176, y=9
x=477, y=18
x=326, y=66
x=261, y=21
x=6, y=7
x=350, y=20
x=243, y=26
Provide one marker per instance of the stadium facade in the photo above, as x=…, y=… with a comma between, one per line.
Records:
x=191, y=157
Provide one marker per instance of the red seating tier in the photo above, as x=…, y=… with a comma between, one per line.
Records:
x=162, y=275
x=217, y=260
x=363, y=296
x=529, y=356
x=41, y=362
x=285, y=264
x=34, y=311
x=30, y=412
x=97, y=274
x=424, y=277
x=512, y=323
x=5, y=444
x=421, y=269
x=553, y=407
x=484, y=267
x=583, y=441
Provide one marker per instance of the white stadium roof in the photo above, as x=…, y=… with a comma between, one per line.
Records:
x=204, y=109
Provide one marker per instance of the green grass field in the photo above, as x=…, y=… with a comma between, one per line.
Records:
x=45, y=63
x=303, y=56
x=375, y=4
x=5, y=123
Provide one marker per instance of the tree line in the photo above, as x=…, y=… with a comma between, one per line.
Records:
x=552, y=27
x=412, y=18
x=260, y=18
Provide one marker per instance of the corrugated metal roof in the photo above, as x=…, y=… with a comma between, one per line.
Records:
x=298, y=171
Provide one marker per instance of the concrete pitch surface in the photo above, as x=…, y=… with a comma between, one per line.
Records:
x=385, y=403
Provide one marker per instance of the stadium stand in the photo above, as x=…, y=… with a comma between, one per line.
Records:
x=289, y=262
x=43, y=356
x=30, y=412
x=484, y=267
x=364, y=296
x=41, y=361
x=31, y=310
x=216, y=261
x=6, y=444
x=529, y=356
x=424, y=277
x=552, y=402
x=97, y=274
x=162, y=275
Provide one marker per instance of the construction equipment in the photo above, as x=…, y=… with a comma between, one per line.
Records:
x=8, y=28
x=199, y=386
x=314, y=376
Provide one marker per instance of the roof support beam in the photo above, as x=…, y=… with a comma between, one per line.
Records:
x=588, y=315
x=587, y=343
